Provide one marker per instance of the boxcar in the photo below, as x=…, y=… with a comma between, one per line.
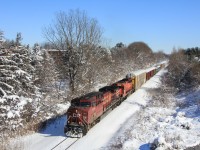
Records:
x=149, y=73
x=140, y=79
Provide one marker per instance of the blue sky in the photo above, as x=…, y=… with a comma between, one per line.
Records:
x=161, y=24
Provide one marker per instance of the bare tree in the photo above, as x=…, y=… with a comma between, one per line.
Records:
x=141, y=53
x=160, y=56
x=179, y=69
x=78, y=35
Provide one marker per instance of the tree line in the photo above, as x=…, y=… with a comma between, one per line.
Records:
x=184, y=69
x=192, y=52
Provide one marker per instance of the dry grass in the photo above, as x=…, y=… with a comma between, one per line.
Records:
x=7, y=143
x=10, y=139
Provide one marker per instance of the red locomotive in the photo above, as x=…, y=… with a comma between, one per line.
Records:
x=84, y=112
x=127, y=85
x=88, y=110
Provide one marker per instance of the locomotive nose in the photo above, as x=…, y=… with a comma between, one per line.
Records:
x=76, y=116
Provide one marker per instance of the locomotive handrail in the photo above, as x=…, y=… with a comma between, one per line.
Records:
x=84, y=122
x=68, y=118
x=79, y=118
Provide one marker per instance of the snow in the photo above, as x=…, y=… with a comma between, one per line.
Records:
x=150, y=69
x=2, y=100
x=56, y=50
x=132, y=125
x=7, y=85
x=20, y=72
x=134, y=144
x=138, y=72
x=23, y=102
x=10, y=114
x=3, y=92
x=13, y=114
x=12, y=97
x=163, y=62
x=62, y=107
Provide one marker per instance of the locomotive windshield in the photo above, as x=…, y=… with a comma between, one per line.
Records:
x=85, y=104
x=74, y=103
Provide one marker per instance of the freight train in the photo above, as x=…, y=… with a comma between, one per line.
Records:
x=87, y=110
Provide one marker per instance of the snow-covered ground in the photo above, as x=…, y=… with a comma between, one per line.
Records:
x=132, y=125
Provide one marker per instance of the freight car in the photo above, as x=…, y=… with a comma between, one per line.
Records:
x=150, y=72
x=87, y=110
x=139, y=78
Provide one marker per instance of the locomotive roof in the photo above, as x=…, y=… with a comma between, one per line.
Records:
x=86, y=97
x=91, y=94
x=109, y=88
x=123, y=80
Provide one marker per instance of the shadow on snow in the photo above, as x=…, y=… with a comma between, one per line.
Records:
x=53, y=127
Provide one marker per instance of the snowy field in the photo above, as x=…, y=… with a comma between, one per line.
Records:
x=132, y=125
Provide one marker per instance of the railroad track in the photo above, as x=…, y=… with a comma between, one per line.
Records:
x=65, y=143
x=71, y=144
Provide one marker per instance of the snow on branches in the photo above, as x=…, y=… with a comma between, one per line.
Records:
x=16, y=88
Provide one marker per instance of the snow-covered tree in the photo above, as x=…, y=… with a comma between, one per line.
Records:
x=96, y=71
x=16, y=89
x=18, y=39
x=46, y=72
x=36, y=49
x=1, y=38
x=15, y=69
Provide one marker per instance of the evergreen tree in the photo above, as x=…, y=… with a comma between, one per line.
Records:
x=18, y=39
x=1, y=38
x=17, y=91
